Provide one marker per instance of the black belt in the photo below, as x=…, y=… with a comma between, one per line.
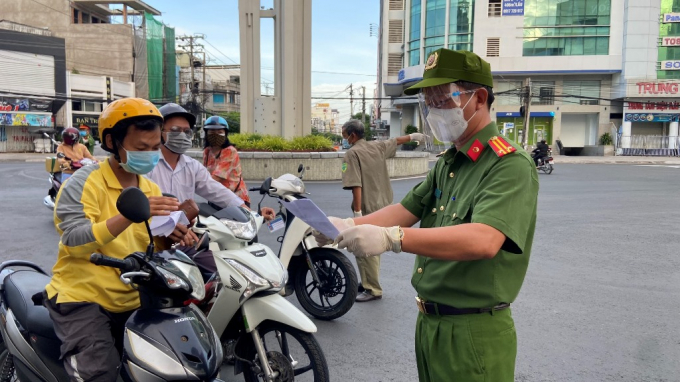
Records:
x=445, y=310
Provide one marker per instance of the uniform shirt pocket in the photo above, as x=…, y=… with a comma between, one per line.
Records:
x=457, y=212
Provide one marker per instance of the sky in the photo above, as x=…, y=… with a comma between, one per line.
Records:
x=341, y=42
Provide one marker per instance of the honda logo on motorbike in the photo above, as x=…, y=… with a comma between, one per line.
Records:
x=177, y=321
x=235, y=286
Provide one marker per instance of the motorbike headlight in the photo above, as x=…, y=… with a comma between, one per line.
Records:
x=173, y=280
x=243, y=231
x=193, y=274
x=154, y=358
x=256, y=282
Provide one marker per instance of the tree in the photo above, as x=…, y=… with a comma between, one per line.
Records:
x=234, y=120
x=368, y=133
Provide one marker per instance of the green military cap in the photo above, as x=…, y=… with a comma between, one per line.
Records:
x=444, y=66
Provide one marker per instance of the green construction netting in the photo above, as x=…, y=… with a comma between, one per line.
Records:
x=154, y=49
x=170, y=77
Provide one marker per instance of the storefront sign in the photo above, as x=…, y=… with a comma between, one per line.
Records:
x=24, y=104
x=651, y=117
x=670, y=65
x=670, y=41
x=322, y=105
x=658, y=87
x=25, y=119
x=654, y=105
x=671, y=18
x=89, y=120
x=513, y=8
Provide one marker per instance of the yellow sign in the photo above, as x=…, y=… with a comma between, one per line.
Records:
x=322, y=105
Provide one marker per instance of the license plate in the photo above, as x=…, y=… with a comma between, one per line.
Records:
x=551, y=162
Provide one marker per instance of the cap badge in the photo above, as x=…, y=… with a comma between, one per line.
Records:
x=432, y=61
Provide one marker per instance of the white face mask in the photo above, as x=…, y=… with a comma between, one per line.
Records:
x=448, y=125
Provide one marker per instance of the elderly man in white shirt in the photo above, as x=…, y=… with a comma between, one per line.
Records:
x=183, y=176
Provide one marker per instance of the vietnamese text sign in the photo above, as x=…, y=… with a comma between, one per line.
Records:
x=650, y=117
x=513, y=7
x=24, y=119
x=670, y=41
x=670, y=65
x=671, y=18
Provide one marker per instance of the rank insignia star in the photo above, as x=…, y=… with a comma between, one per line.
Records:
x=500, y=146
x=475, y=150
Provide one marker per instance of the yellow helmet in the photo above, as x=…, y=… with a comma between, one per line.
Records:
x=122, y=109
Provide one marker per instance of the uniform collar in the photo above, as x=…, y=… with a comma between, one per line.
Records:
x=359, y=142
x=113, y=182
x=476, y=145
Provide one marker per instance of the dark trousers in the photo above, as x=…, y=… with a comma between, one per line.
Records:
x=537, y=157
x=91, y=339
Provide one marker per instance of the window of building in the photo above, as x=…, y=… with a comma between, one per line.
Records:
x=435, y=18
x=92, y=106
x=461, y=24
x=232, y=98
x=506, y=92
x=579, y=89
x=495, y=8
x=76, y=105
x=493, y=47
x=86, y=18
x=543, y=92
x=76, y=16
x=396, y=31
x=218, y=98
x=414, y=34
x=566, y=28
x=396, y=5
x=95, y=20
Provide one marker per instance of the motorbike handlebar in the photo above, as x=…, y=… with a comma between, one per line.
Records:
x=126, y=265
x=254, y=189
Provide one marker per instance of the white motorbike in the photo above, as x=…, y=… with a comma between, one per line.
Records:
x=265, y=336
x=323, y=278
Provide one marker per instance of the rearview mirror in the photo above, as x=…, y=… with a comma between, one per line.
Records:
x=300, y=168
x=134, y=205
x=266, y=185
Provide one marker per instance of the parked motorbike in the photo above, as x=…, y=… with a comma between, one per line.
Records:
x=56, y=175
x=545, y=164
x=266, y=337
x=165, y=340
x=322, y=278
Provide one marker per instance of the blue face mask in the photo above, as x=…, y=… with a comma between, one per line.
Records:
x=83, y=133
x=141, y=162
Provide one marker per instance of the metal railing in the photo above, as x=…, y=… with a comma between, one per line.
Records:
x=647, y=145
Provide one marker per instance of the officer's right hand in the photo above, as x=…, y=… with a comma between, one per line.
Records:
x=163, y=205
x=340, y=224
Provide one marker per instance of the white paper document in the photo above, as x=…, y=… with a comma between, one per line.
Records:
x=308, y=212
x=165, y=225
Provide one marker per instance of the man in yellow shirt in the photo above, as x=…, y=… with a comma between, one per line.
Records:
x=89, y=304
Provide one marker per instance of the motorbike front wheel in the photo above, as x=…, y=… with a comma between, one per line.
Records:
x=548, y=168
x=336, y=292
x=292, y=353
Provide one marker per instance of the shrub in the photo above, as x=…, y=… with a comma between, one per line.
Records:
x=256, y=142
x=606, y=139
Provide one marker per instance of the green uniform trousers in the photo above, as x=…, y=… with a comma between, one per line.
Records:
x=369, y=271
x=466, y=348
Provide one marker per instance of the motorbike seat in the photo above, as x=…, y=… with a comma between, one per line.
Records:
x=20, y=286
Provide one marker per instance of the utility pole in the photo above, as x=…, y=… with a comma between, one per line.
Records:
x=351, y=101
x=526, y=101
x=363, y=104
x=191, y=47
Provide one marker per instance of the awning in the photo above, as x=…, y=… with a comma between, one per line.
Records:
x=405, y=101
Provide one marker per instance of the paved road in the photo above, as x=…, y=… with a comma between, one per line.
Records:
x=600, y=301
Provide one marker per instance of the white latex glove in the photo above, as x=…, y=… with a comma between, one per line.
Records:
x=369, y=240
x=357, y=214
x=418, y=137
x=340, y=224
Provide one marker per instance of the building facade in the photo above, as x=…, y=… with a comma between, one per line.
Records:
x=32, y=74
x=592, y=64
x=130, y=51
x=325, y=119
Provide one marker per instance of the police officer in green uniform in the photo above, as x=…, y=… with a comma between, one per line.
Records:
x=477, y=213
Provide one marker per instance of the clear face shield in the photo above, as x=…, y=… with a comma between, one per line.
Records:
x=441, y=111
